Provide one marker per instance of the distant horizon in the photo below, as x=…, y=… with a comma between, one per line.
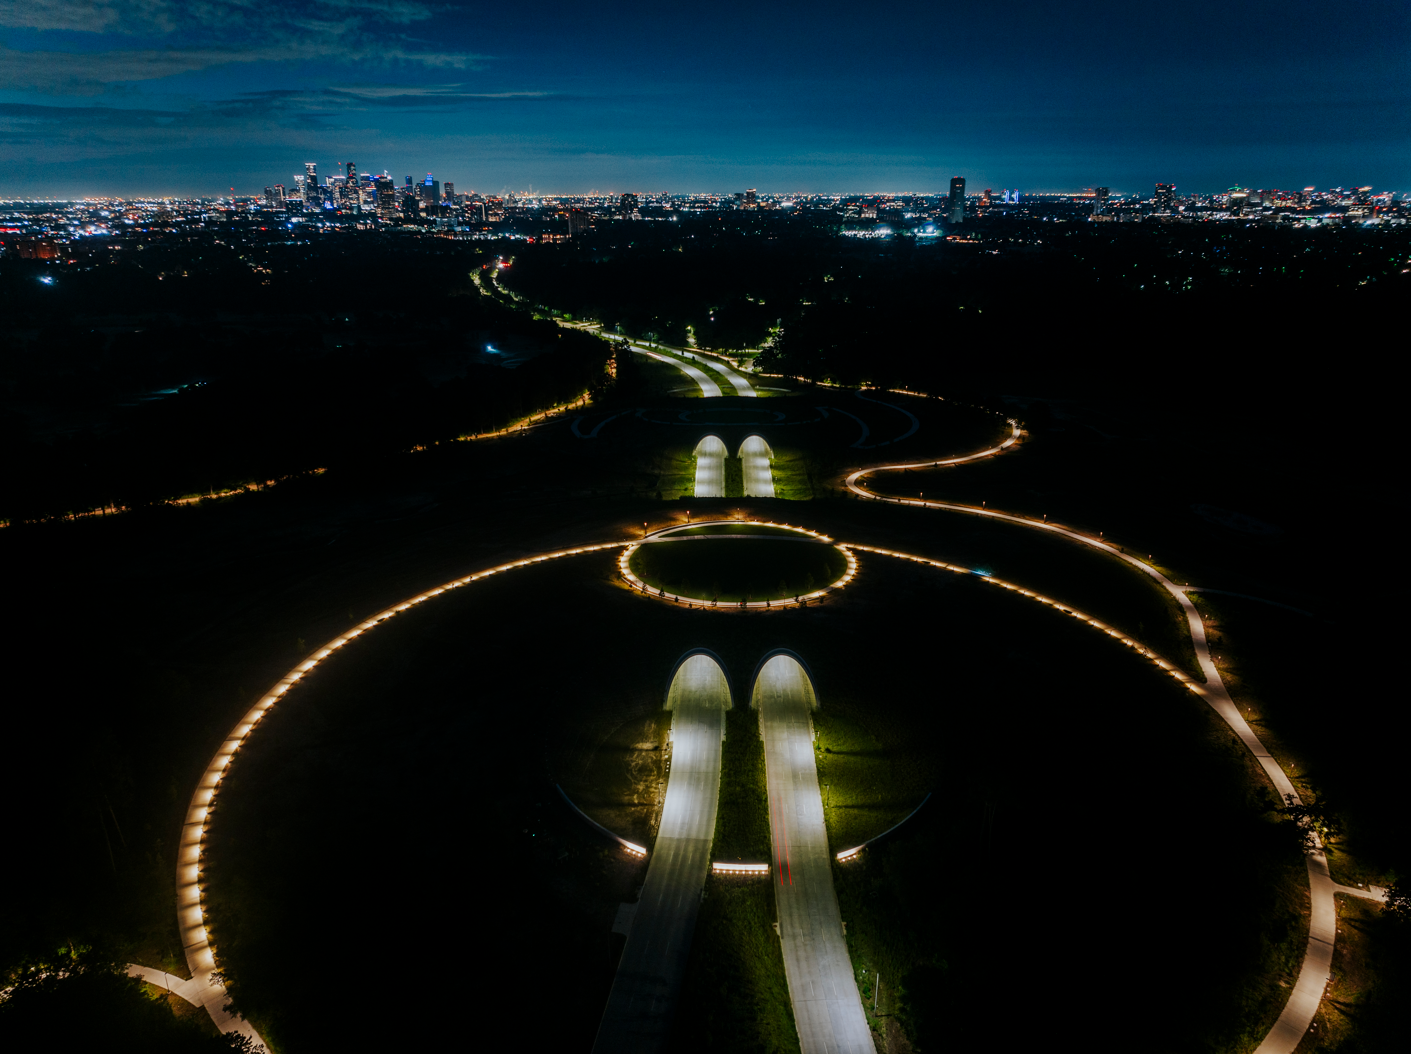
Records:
x=129, y=98
x=971, y=188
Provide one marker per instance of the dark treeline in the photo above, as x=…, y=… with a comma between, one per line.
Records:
x=318, y=369
x=1013, y=301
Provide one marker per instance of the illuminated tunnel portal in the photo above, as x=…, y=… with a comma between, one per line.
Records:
x=759, y=481
x=710, y=468
x=653, y=961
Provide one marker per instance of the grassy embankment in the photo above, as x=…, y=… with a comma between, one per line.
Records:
x=735, y=996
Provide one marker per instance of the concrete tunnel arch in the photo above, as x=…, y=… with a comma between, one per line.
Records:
x=785, y=655
x=755, y=445
x=711, y=446
x=694, y=664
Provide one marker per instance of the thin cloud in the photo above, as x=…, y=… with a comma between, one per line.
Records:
x=168, y=16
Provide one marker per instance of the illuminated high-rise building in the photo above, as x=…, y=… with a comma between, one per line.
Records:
x=956, y=204
x=449, y=191
x=311, y=171
x=428, y=191
x=751, y=200
x=386, y=194
x=627, y=205
x=1100, y=200
x=1165, y=197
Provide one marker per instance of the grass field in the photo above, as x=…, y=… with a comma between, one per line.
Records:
x=1072, y=783
x=739, y=569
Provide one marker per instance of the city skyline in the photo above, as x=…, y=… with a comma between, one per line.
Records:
x=152, y=98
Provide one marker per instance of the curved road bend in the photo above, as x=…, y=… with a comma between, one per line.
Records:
x=708, y=387
x=827, y=1007
x=639, y=1009
x=1298, y=1012
x=737, y=381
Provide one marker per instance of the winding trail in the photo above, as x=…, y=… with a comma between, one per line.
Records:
x=1298, y=1013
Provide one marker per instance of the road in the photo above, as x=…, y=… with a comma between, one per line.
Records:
x=638, y=1014
x=738, y=382
x=710, y=468
x=1298, y=1012
x=827, y=1007
x=708, y=387
x=759, y=480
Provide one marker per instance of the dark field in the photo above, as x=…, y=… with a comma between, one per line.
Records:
x=397, y=809
x=739, y=569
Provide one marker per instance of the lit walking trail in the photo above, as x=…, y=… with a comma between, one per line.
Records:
x=759, y=481
x=1298, y=1013
x=206, y=987
x=827, y=1007
x=710, y=468
x=638, y=1013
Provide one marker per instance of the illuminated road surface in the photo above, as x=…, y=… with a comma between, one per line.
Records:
x=710, y=468
x=759, y=481
x=1298, y=1012
x=654, y=960
x=738, y=381
x=708, y=387
x=827, y=1008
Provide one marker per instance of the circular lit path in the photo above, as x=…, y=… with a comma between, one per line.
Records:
x=205, y=987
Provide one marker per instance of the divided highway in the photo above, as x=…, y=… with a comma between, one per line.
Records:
x=638, y=1014
x=827, y=1007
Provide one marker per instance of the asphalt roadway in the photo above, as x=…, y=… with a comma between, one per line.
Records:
x=759, y=480
x=710, y=468
x=827, y=1007
x=639, y=1009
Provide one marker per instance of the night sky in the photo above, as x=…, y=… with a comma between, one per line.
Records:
x=158, y=96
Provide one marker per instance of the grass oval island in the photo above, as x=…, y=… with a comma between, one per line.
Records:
x=734, y=562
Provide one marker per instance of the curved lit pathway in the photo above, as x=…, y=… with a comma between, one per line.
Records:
x=653, y=961
x=191, y=921
x=1298, y=1013
x=827, y=1007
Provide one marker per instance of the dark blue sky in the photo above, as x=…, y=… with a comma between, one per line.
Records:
x=192, y=97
